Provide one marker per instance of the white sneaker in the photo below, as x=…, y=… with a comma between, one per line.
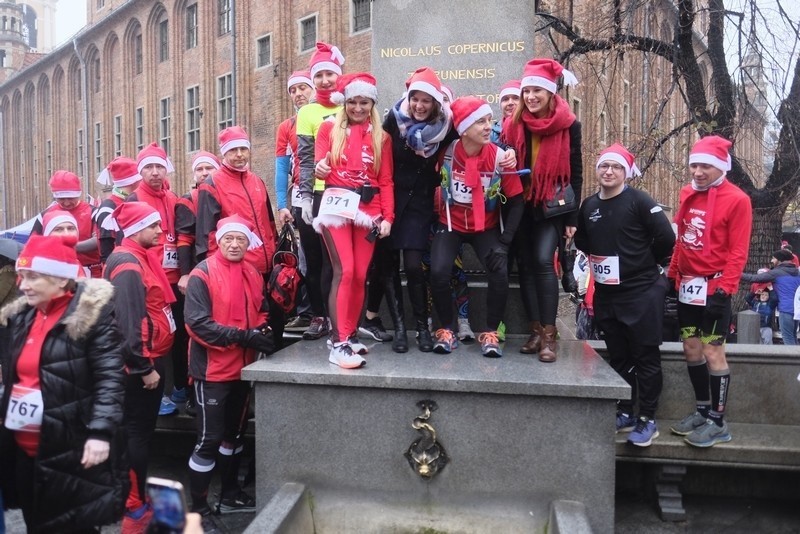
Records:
x=357, y=346
x=465, y=333
x=343, y=356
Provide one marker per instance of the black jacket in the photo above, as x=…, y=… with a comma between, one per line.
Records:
x=82, y=380
x=576, y=171
x=415, y=181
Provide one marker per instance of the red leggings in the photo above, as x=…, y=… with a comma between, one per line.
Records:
x=350, y=254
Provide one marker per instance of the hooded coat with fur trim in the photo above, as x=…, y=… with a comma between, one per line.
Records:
x=82, y=379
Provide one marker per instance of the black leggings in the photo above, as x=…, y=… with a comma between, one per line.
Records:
x=314, y=253
x=444, y=250
x=221, y=422
x=180, y=346
x=386, y=264
x=536, y=243
x=141, y=413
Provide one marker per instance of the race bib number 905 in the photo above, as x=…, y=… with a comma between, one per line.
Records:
x=605, y=269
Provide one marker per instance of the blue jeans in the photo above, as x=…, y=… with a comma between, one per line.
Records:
x=788, y=328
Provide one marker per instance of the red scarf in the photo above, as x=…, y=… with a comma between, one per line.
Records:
x=153, y=257
x=163, y=207
x=354, y=146
x=235, y=280
x=552, y=162
x=472, y=178
x=323, y=96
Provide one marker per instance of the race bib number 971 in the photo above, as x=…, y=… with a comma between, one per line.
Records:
x=339, y=202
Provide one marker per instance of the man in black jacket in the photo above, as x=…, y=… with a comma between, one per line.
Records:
x=626, y=235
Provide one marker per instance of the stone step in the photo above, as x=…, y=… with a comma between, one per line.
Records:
x=753, y=446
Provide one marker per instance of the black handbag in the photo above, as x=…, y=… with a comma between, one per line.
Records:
x=564, y=201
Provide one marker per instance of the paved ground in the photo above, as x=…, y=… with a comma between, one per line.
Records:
x=635, y=513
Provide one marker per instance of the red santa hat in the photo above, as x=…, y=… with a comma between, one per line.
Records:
x=446, y=91
x=544, y=73
x=53, y=218
x=235, y=223
x=131, y=217
x=326, y=57
x=619, y=154
x=205, y=157
x=356, y=84
x=65, y=184
x=712, y=150
x=120, y=172
x=467, y=110
x=424, y=79
x=299, y=76
x=153, y=154
x=232, y=137
x=510, y=88
x=51, y=256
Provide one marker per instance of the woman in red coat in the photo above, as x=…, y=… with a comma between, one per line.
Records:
x=355, y=160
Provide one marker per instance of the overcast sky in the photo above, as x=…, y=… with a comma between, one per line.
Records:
x=70, y=17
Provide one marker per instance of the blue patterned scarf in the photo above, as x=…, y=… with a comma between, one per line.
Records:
x=422, y=137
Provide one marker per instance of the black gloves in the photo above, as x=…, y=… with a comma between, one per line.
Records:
x=718, y=303
x=497, y=258
x=259, y=339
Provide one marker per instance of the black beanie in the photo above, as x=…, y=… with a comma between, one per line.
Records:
x=782, y=255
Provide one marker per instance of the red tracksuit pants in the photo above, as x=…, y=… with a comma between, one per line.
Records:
x=350, y=254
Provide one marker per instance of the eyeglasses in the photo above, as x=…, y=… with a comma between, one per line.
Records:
x=613, y=166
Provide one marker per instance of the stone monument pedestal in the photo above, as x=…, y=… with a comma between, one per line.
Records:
x=519, y=435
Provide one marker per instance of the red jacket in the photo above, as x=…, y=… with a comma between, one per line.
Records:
x=242, y=193
x=383, y=203
x=142, y=312
x=213, y=354
x=84, y=216
x=164, y=202
x=717, y=246
x=286, y=145
x=461, y=216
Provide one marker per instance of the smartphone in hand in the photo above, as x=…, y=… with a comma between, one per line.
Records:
x=169, y=506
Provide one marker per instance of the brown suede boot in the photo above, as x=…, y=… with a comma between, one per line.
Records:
x=548, y=352
x=534, y=343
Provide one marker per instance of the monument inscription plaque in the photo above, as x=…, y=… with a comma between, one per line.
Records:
x=474, y=46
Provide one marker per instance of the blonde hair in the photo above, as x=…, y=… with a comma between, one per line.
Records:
x=339, y=135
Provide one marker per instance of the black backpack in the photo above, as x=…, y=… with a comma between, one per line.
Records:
x=285, y=278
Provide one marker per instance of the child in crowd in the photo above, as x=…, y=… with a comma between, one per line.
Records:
x=763, y=300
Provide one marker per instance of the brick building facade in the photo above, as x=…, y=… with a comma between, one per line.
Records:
x=166, y=71
x=162, y=71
